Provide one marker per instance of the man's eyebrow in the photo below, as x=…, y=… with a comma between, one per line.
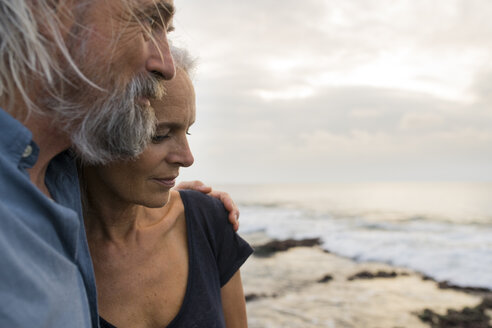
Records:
x=163, y=8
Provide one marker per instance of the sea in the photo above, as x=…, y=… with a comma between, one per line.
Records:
x=442, y=230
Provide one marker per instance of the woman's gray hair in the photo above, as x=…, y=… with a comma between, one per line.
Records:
x=184, y=60
x=27, y=52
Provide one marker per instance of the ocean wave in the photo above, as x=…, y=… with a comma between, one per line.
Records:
x=460, y=253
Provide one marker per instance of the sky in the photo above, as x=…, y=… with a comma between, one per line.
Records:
x=339, y=91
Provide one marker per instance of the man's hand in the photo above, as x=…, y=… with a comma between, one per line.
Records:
x=224, y=197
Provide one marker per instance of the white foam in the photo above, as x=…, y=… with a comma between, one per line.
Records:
x=446, y=251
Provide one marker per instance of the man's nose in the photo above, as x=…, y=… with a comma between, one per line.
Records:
x=160, y=61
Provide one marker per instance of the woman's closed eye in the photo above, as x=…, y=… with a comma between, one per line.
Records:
x=159, y=138
x=161, y=135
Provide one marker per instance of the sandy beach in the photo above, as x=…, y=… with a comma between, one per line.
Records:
x=307, y=287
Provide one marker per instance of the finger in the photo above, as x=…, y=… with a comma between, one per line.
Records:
x=234, y=220
x=232, y=208
x=229, y=205
x=225, y=198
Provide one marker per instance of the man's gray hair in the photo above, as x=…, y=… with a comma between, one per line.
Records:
x=110, y=124
x=27, y=52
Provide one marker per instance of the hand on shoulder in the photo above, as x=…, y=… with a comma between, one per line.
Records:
x=224, y=197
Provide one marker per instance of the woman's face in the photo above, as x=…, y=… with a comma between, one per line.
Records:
x=148, y=179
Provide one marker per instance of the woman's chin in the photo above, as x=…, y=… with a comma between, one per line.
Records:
x=158, y=202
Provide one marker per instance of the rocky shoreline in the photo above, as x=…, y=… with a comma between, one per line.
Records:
x=294, y=283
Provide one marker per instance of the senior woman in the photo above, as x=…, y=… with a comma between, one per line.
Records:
x=162, y=258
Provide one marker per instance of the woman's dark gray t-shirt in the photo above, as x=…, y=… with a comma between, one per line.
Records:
x=216, y=252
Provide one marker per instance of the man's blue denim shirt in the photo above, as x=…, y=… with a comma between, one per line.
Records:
x=46, y=274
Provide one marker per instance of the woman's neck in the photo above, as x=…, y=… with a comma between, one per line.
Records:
x=116, y=224
x=119, y=222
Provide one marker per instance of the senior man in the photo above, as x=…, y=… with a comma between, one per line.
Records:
x=75, y=74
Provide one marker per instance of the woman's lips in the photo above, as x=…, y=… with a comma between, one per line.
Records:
x=166, y=182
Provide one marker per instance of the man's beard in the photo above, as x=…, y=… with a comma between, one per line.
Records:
x=106, y=117
x=106, y=126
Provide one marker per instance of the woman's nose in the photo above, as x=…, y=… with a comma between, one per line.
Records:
x=187, y=156
x=181, y=155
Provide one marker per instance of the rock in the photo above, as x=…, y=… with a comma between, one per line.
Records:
x=326, y=279
x=466, y=318
x=370, y=275
x=486, y=303
x=302, y=302
x=252, y=296
x=448, y=285
x=273, y=246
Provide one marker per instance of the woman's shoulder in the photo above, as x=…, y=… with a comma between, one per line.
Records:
x=204, y=211
x=202, y=203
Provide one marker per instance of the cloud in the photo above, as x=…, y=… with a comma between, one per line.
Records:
x=419, y=121
x=366, y=113
x=482, y=87
x=370, y=89
x=288, y=93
